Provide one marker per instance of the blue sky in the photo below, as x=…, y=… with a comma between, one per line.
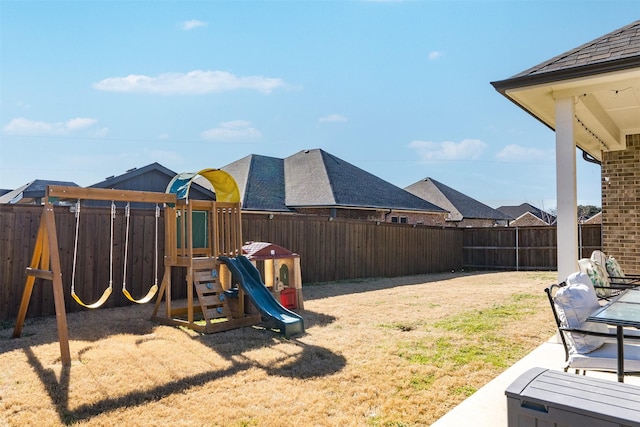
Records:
x=401, y=89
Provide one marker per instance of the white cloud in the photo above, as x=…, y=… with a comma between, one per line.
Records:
x=194, y=82
x=467, y=149
x=435, y=54
x=236, y=130
x=192, y=23
x=333, y=118
x=22, y=126
x=517, y=153
x=80, y=123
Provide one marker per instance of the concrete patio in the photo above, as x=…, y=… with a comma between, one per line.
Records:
x=488, y=406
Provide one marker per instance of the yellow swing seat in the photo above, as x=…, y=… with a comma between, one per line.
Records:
x=107, y=292
x=101, y=301
x=154, y=289
x=152, y=292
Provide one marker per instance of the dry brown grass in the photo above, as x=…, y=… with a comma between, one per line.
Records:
x=384, y=352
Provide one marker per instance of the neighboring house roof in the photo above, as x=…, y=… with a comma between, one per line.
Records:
x=520, y=210
x=315, y=178
x=603, y=78
x=31, y=192
x=153, y=177
x=458, y=204
x=594, y=219
x=527, y=219
x=4, y=191
x=261, y=182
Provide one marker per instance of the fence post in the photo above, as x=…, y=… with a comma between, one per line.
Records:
x=580, y=240
x=517, y=251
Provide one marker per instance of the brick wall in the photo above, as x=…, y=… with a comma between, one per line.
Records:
x=621, y=205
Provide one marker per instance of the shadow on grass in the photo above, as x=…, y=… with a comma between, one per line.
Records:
x=307, y=361
x=90, y=325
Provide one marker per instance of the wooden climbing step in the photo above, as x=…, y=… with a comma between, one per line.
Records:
x=211, y=296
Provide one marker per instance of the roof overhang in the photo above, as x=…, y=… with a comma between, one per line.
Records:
x=607, y=101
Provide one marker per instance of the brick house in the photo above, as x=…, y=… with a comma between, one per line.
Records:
x=526, y=215
x=590, y=97
x=315, y=182
x=464, y=211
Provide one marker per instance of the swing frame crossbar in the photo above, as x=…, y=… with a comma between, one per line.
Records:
x=45, y=260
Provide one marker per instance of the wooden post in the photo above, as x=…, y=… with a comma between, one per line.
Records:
x=45, y=254
x=45, y=261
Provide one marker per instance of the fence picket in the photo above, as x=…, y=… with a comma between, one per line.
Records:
x=340, y=249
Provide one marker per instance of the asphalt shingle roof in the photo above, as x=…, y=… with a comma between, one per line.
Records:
x=31, y=190
x=317, y=178
x=618, y=50
x=460, y=205
x=517, y=211
x=619, y=44
x=261, y=182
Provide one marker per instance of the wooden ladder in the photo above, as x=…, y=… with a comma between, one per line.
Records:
x=211, y=296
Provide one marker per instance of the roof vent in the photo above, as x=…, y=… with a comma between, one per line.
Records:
x=131, y=170
x=109, y=177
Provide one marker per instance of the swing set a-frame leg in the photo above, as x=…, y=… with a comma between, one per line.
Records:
x=46, y=254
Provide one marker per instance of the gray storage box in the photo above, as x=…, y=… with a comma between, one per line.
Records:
x=545, y=398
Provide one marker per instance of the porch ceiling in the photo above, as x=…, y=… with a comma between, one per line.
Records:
x=607, y=107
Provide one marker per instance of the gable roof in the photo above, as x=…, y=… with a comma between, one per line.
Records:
x=152, y=177
x=524, y=208
x=261, y=182
x=315, y=178
x=528, y=219
x=603, y=78
x=594, y=219
x=31, y=192
x=458, y=204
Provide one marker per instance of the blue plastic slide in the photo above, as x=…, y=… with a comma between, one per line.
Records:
x=248, y=275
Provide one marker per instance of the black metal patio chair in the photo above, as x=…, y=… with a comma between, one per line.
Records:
x=588, y=345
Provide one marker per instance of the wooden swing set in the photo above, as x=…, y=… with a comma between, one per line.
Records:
x=45, y=261
x=197, y=232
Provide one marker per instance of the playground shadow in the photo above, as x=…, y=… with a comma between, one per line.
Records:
x=90, y=325
x=311, y=361
x=240, y=348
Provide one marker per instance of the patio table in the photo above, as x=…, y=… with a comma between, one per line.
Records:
x=622, y=311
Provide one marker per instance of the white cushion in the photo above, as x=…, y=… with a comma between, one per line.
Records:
x=574, y=303
x=598, y=257
x=605, y=358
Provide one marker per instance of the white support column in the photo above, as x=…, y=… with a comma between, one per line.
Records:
x=567, y=198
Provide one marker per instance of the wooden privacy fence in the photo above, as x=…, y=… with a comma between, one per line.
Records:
x=522, y=248
x=330, y=250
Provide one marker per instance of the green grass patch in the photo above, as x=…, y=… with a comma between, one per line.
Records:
x=465, y=390
x=473, y=336
x=477, y=321
x=422, y=382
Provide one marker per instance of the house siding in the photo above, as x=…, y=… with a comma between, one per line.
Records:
x=621, y=204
